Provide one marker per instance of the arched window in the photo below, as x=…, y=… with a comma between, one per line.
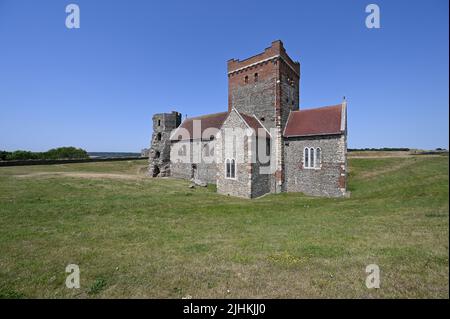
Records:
x=233, y=168
x=306, y=157
x=256, y=77
x=230, y=168
x=318, y=157
x=158, y=137
x=157, y=154
x=246, y=79
x=312, y=157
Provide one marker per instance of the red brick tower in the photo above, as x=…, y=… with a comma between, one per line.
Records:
x=266, y=85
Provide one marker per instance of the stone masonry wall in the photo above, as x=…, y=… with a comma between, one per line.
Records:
x=203, y=168
x=261, y=183
x=256, y=98
x=289, y=94
x=241, y=185
x=330, y=179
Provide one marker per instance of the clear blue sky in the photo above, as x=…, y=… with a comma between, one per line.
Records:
x=97, y=87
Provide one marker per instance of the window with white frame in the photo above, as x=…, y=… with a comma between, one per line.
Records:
x=318, y=158
x=312, y=157
x=230, y=168
x=306, y=157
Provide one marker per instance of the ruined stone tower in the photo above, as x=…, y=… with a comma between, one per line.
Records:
x=159, y=155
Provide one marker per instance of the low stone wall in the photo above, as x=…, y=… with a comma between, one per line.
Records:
x=67, y=161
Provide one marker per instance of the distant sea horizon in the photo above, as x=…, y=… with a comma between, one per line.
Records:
x=113, y=154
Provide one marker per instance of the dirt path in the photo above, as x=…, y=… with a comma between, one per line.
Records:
x=390, y=169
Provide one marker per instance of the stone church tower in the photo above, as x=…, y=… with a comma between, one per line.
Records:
x=159, y=154
x=266, y=85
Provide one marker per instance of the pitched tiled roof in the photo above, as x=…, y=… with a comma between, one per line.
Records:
x=254, y=124
x=207, y=121
x=318, y=121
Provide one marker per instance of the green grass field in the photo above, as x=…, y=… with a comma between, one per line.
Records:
x=136, y=237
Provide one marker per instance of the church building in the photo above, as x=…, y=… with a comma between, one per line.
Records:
x=263, y=143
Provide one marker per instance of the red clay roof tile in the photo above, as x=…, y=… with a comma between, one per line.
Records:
x=317, y=121
x=207, y=121
x=254, y=124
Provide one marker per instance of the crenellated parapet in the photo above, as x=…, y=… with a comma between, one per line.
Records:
x=276, y=52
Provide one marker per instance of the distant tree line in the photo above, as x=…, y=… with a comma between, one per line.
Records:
x=55, y=153
x=385, y=149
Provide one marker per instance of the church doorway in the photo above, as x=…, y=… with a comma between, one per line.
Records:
x=194, y=171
